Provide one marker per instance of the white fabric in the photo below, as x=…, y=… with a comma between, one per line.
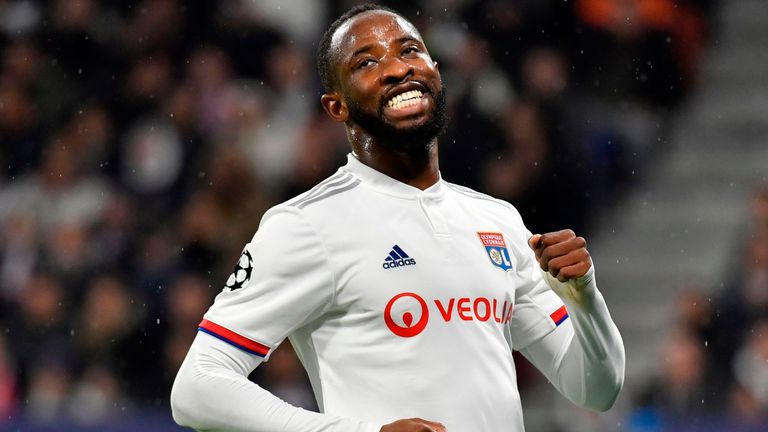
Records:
x=588, y=367
x=211, y=392
x=319, y=277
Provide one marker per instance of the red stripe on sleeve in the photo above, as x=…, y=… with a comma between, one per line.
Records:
x=234, y=338
x=559, y=315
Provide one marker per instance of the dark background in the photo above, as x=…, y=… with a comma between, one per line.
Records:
x=140, y=143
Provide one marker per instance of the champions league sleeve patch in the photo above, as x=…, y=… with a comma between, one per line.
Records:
x=242, y=272
x=496, y=248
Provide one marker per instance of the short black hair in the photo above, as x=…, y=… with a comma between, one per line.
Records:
x=324, y=56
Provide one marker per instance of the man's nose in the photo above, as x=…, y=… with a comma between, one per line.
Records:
x=395, y=70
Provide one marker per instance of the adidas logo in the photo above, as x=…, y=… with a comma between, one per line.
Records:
x=397, y=258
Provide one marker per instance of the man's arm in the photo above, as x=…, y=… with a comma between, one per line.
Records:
x=212, y=392
x=584, y=359
x=288, y=282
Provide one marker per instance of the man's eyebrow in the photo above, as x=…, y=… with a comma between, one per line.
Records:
x=400, y=40
x=407, y=39
x=361, y=50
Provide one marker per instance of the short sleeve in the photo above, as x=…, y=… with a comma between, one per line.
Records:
x=538, y=310
x=281, y=282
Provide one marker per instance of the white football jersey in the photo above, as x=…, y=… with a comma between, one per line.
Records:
x=399, y=302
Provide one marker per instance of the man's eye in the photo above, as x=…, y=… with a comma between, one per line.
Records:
x=365, y=63
x=410, y=49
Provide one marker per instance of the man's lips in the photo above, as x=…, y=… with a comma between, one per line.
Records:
x=405, y=99
x=408, y=107
x=400, y=92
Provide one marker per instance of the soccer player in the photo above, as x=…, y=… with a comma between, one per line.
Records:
x=403, y=295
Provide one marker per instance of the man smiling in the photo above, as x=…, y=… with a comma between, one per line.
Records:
x=402, y=294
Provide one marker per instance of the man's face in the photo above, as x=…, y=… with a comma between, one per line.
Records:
x=387, y=79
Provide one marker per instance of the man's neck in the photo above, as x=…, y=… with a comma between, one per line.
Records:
x=418, y=169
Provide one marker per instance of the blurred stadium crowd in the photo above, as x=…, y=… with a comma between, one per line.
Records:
x=141, y=141
x=713, y=367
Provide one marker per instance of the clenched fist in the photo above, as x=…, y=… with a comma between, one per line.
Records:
x=561, y=254
x=413, y=425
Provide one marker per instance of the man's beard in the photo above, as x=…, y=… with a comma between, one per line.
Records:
x=413, y=139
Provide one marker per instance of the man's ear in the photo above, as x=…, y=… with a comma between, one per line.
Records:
x=335, y=106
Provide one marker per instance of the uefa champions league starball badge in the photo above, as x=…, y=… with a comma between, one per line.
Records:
x=242, y=272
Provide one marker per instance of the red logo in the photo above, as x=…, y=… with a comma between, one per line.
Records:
x=409, y=330
x=480, y=309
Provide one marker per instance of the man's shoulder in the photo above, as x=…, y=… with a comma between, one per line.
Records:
x=338, y=183
x=317, y=199
x=481, y=204
x=469, y=194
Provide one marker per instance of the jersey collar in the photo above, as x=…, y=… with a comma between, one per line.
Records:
x=387, y=184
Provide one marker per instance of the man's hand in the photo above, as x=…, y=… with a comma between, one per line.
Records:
x=413, y=425
x=562, y=254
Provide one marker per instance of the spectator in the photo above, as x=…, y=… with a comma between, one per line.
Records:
x=96, y=397
x=751, y=364
x=20, y=150
x=19, y=255
x=8, y=390
x=39, y=337
x=680, y=392
x=60, y=192
x=140, y=142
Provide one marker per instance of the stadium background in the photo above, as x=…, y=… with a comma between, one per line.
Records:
x=140, y=142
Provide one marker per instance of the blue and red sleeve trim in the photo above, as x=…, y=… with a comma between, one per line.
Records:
x=232, y=338
x=559, y=315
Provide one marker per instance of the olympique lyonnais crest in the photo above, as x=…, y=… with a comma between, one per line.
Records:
x=496, y=248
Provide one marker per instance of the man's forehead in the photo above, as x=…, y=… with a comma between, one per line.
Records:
x=371, y=26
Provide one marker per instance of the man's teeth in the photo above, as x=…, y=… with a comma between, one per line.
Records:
x=405, y=99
